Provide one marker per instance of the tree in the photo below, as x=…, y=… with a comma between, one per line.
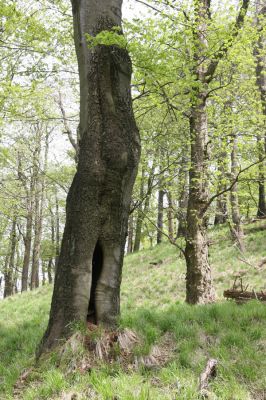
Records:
x=199, y=280
x=259, y=53
x=88, y=276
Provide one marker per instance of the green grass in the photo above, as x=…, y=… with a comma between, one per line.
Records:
x=153, y=306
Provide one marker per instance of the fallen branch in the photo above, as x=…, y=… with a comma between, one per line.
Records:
x=206, y=375
x=242, y=296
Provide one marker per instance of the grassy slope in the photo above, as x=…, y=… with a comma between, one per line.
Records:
x=152, y=304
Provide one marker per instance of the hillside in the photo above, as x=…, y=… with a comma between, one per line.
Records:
x=153, y=307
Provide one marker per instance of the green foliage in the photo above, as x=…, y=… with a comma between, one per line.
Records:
x=113, y=37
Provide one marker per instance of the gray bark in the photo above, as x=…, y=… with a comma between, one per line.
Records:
x=130, y=234
x=260, y=57
x=88, y=276
x=143, y=208
x=10, y=261
x=199, y=287
x=236, y=227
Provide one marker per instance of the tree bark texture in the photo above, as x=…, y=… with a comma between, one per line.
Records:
x=160, y=211
x=27, y=240
x=143, y=208
x=199, y=287
x=199, y=281
x=50, y=261
x=57, y=232
x=10, y=261
x=221, y=215
x=88, y=276
x=260, y=58
x=130, y=234
x=183, y=178
x=39, y=205
x=236, y=228
x=261, y=213
x=170, y=216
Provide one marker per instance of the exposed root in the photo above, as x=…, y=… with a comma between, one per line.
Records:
x=84, y=352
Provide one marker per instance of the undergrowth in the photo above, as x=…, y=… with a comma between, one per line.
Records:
x=152, y=306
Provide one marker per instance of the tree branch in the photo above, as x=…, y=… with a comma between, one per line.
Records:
x=228, y=188
x=226, y=46
x=67, y=128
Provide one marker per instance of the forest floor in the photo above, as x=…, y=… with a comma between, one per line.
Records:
x=174, y=340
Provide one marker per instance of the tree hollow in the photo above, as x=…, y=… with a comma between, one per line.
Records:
x=97, y=266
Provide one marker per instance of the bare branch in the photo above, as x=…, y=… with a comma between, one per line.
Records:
x=234, y=181
x=67, y=127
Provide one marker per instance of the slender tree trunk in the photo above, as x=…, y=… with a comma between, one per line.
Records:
x=36, y=243
x=43, y=272
x=50, y=262
x=199, y=286
x=183, y=198
x=221, y=214
x=57, y=232
x=7, y=277
x=143, y=209
x=170, y=216
x=259, y=53
x=16, y=275
x=10, y=261
x=27, y=237
x=130, y=234
x=27, y=244
x=261, y=213
x=160, y=211
x=140, y=216
x=199, y=279
x=236, y=227
x=88, y=276
x=39, y=205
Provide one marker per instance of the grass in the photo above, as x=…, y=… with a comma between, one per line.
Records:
x=153, y=306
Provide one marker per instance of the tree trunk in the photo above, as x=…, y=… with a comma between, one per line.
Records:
x=143, y=209
x=160, y=216
x=130, y=234
x=27, y=238
x=27, y=244
x=37, y=241
x=10, y=261
x=183, y=198
x=221, y=214
x=170, y=216
x=199, y=287
x=39, y=205
x=7, y=277
x=261, y=213
x=140, y=215
x=43, y=272
x=57, y=233
x=236, y=228
x=259, y=53
x=50, y=262
x=88, y=276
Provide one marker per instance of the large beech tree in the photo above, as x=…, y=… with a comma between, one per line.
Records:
x=88, y=276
